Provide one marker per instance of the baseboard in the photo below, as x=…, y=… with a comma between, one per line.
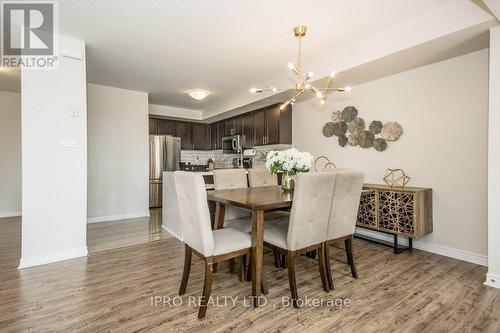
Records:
x=10, y=214
x=52, y=257
x=446, y=251
x=114, y=217
x=167, y=229
x=492, y=280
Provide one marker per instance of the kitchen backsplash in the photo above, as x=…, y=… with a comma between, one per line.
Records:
x=222, y=160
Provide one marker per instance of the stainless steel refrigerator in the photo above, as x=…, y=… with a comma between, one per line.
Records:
x=164, y=155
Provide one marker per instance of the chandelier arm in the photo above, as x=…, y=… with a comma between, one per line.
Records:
x=284, y=105
x=325, y=94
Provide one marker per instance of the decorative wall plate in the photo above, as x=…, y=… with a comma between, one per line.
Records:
x=349, y=113
x=379, y=144
x=365, y=139
x=376, y=126
x=392, y=131
x=357, y=126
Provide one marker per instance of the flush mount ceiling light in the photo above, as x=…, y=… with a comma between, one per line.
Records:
x=198, y=94
x=303, y=80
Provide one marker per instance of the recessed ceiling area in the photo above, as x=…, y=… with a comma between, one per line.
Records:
x=168, y=47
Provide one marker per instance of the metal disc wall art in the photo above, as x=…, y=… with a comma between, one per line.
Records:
x=339, y=128
x=328, y=129
x=396, y=177
x=343, y=140
x=356, y=126
x=392, y=131
x=349, y=113
x=336, y=116
x=376, y=126
x=365, y=139
x=379, y=144
x=347, y=121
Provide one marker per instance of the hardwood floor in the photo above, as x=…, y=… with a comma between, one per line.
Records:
x=114, y=291
x=115, y=234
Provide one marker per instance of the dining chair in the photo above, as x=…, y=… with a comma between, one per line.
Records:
x=343, y=215
x=259, y=177
x=228, y=179
x=305, y=229
x=212, y=246
x=170, y=209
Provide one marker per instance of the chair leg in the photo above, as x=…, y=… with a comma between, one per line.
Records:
x=243, y=268
x=350, y=257
x=207, y=288
x=277, y=262
x=249, y=270
x=263, y=286
x=290, y=258
x=283, y=261
x=327, y=267
x=187, y=269
x=322, y=270
x=232, y=266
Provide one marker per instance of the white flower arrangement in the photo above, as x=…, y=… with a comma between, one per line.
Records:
x=288, y=161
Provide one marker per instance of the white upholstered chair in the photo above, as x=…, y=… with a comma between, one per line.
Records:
x=170, y=210
x=344, y=212
x=231, y=179
x=211, y=246
x=259, y=177
x=306, y=228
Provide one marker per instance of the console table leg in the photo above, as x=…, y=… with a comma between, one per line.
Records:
x=396, y=244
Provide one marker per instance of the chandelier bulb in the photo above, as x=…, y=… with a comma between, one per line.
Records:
x=273, y=89
x=322, y=101
x=309, y=75
x=253, y=90
x=348, y=88
x=291, y=66
x=332, y=74
x=307, y=86
x=319, y=94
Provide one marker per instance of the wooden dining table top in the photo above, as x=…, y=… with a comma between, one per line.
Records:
x=253, y=198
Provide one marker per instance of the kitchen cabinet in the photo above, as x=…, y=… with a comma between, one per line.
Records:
x=247, y=130
x=272, y=126
x=200, y=136
x=259, y=123
x=166, y=127
x=184, y=130
x=216, y=134
x=153, y=126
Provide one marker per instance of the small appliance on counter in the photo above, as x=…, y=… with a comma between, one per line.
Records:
x=183, y=166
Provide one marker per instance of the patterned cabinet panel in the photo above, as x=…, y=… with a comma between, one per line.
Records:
x=367, y=213
x=403, y=211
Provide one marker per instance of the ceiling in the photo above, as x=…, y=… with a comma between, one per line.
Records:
x=167, y=47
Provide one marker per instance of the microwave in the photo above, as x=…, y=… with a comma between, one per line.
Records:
x=231, y=144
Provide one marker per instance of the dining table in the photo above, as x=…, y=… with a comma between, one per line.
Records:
x=257, y=201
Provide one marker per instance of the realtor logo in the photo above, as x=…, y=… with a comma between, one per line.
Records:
x=29, y=34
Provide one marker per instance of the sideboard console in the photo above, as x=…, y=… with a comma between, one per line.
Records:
x=399, y=211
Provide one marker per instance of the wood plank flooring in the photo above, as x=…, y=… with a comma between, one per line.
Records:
x=112, y=291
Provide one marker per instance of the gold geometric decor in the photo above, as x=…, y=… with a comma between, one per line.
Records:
x=322, y=163
x=396, y=177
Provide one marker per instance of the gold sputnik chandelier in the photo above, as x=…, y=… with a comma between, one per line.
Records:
x=303, y=83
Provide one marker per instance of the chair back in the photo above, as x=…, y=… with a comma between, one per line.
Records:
x=230, y=178
x=312, y=201
x=194, y=213
x=171, y=219
x=260, y=177
x=345, y=204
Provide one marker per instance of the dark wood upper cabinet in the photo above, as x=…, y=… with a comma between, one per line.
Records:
x=184, y=130
x=247, y=130
x=286, y=125
x=166, y=127
x=200, y=137
x=259, y=127
x=153, y=126
x=272, y=126
x=237, y=122
x=214, y=128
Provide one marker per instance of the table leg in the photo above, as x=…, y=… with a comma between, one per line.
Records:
x=257, y=253
x=220, y=213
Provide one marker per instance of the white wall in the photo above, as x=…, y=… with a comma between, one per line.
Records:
x=10, y=154
x=54, y=190
x=443, y=109
x=118, y=157
x=493, y=277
